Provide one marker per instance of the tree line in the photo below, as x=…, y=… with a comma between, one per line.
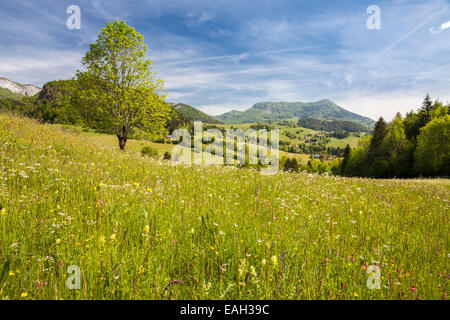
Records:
x=411, y=146
x=332, y=126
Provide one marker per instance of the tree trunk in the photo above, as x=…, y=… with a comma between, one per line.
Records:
x=122, y=143
x=122, y=135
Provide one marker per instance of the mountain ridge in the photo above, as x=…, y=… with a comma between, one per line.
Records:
x=193, y=114
x=324, y=109
x=27, y=90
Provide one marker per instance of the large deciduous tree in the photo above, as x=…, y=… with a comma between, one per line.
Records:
x=432, y=156
x=122, y=92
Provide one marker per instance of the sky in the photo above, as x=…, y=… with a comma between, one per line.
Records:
x=227, y=55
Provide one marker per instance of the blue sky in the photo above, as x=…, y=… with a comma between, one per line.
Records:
x=223, y=55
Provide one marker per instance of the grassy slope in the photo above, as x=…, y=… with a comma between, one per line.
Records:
x=5, y=93
x=137, y=145
x=132, y=145
x=194, y=114
x=225, y=233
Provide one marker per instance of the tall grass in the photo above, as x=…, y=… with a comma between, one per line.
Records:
x=140, y=228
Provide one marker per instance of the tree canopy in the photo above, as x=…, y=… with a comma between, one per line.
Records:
x=123, y=93
x=417, y=145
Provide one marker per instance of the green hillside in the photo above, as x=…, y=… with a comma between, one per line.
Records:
x=276, y=111
x=194, y=114
x=5, y=93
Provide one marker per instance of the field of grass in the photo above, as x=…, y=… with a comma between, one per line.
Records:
x=140, y=228
x=132, y=145
x=136, y=146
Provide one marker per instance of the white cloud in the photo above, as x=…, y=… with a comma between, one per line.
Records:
x=39, y=68
x=445, y=25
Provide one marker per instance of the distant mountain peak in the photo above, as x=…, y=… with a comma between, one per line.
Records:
x=27, y=90
x=324, y=109
x=194, y=114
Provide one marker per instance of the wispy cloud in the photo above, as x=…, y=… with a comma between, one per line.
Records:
x=226, y=54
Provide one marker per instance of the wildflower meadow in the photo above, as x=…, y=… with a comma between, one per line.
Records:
x=81, y=220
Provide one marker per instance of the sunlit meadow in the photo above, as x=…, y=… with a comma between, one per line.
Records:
x=141, y=228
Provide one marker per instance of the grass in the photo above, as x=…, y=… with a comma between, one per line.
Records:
x=136, y=146
x=132, y=145
x=135, y=225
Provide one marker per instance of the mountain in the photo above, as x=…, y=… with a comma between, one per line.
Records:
x=194, y=114
x=5, y=93
x=277, y=111
x=27, y=90
x=59, y=102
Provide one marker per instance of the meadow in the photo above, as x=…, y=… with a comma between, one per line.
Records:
x=143, y=228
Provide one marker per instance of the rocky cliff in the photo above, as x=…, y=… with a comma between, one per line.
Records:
x=26, y=90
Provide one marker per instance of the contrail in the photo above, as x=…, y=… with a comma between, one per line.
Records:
x=381, y=53
x=420, y=26
x=233, y=56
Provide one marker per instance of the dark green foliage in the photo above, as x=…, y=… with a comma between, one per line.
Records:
x=149, y=152
x=425, y=111
x=332, y=126
x=291, y=165
x=167, y=156
x=261, y=126
x=433, y=148
x=58, y=103
x=379, y=133
x=339, y=134
x=344, y=162
x=21, y=106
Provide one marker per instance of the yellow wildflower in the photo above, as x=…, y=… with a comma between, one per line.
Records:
x=274, y=260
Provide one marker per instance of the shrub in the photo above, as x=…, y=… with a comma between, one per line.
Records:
x=149, y=152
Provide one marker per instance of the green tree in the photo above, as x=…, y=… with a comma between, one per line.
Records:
x=287, y=165
x=398, y=149
x=344, y=162
x=377, y=155
x=425, y=111
x=357, y=164
x=412, y=125
x=432, y=156
x=121, y=89
x=294, y=165
x=439, y=110
x=379, y=133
